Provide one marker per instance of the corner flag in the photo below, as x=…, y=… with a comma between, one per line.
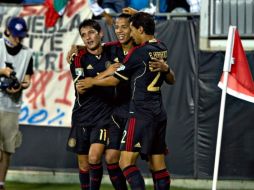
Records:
x=240, y=81
x=237, y=81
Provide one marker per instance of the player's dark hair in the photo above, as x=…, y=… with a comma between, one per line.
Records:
x=145, y=20
x=91, y=23
x=124, y=15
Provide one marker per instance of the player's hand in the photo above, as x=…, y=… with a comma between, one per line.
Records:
x=108, y=18
x=73, y=51
x=83, y=84
x=109, y=71
x=129, y=10
x=80, y=87
x=113, y=67
x=156, y=65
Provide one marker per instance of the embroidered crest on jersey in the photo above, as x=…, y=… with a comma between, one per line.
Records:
x=107, y=64
x=72, y=142
x=89, y=67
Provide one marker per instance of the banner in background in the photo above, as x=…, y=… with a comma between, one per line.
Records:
x=49, y=99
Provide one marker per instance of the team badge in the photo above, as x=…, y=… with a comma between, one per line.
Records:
x=79, y=72
x=107, y=64
x=72, y=142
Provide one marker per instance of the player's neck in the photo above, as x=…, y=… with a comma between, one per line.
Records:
x=96, y=51
x=128, y=46
x=147, y=38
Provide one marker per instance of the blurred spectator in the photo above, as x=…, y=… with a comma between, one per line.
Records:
x=114, y=6
x=99, y=12
x=194, y=5
x=11, y=1
x=163, y=5
x=138, y=5
x=178, y=6
x=143, y=5
x=33, y=1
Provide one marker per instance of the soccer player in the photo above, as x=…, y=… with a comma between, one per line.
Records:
x=117, y=52
x=146, y=128
x=92, y=109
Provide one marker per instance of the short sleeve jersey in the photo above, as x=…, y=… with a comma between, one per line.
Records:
x=95, y=103
x=145, y=85
x=123, y=90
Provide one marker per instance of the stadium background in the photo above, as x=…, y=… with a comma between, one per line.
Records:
x=192, y=104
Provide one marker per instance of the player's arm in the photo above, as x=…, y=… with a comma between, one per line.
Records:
x=159, y=65
x=129, y=10
x=109, y=71
x=74, y=51
x=107, y=81
x=77, y=75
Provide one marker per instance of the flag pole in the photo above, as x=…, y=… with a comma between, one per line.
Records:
x=226, y=69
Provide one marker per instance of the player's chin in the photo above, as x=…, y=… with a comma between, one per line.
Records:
x=92, y=47
x=122, y=41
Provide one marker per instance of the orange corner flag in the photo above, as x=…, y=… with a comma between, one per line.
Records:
x=240, y=81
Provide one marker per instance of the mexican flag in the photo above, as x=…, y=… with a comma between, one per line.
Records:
x=56, y=9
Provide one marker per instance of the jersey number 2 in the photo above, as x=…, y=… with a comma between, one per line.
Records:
x=151, y=87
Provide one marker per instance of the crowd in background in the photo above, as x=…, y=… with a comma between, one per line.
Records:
x=106, y=8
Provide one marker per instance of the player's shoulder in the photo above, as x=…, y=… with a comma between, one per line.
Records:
x=113, y=43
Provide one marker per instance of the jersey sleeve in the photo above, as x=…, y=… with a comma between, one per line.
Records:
x=129, y=66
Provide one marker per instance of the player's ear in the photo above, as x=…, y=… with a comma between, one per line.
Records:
x=141, y=29
x=101, y=34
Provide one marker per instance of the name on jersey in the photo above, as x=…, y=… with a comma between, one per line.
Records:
x=158, y=54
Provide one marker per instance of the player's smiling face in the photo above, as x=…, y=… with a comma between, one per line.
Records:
x=90, y=37
x=122, y=30
x=135, y=34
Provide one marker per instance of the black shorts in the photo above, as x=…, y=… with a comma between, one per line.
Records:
x=115, y=132
x=145, y=135
x=81, y=138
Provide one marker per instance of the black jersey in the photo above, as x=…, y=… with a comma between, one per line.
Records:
x=93, y=107
x=145, y=85
x=123, y=90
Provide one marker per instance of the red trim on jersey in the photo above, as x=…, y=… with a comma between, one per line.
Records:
x=134, y=48
x=127, y=57
x=78, y=57
x=114, y=43
x=130, y=134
